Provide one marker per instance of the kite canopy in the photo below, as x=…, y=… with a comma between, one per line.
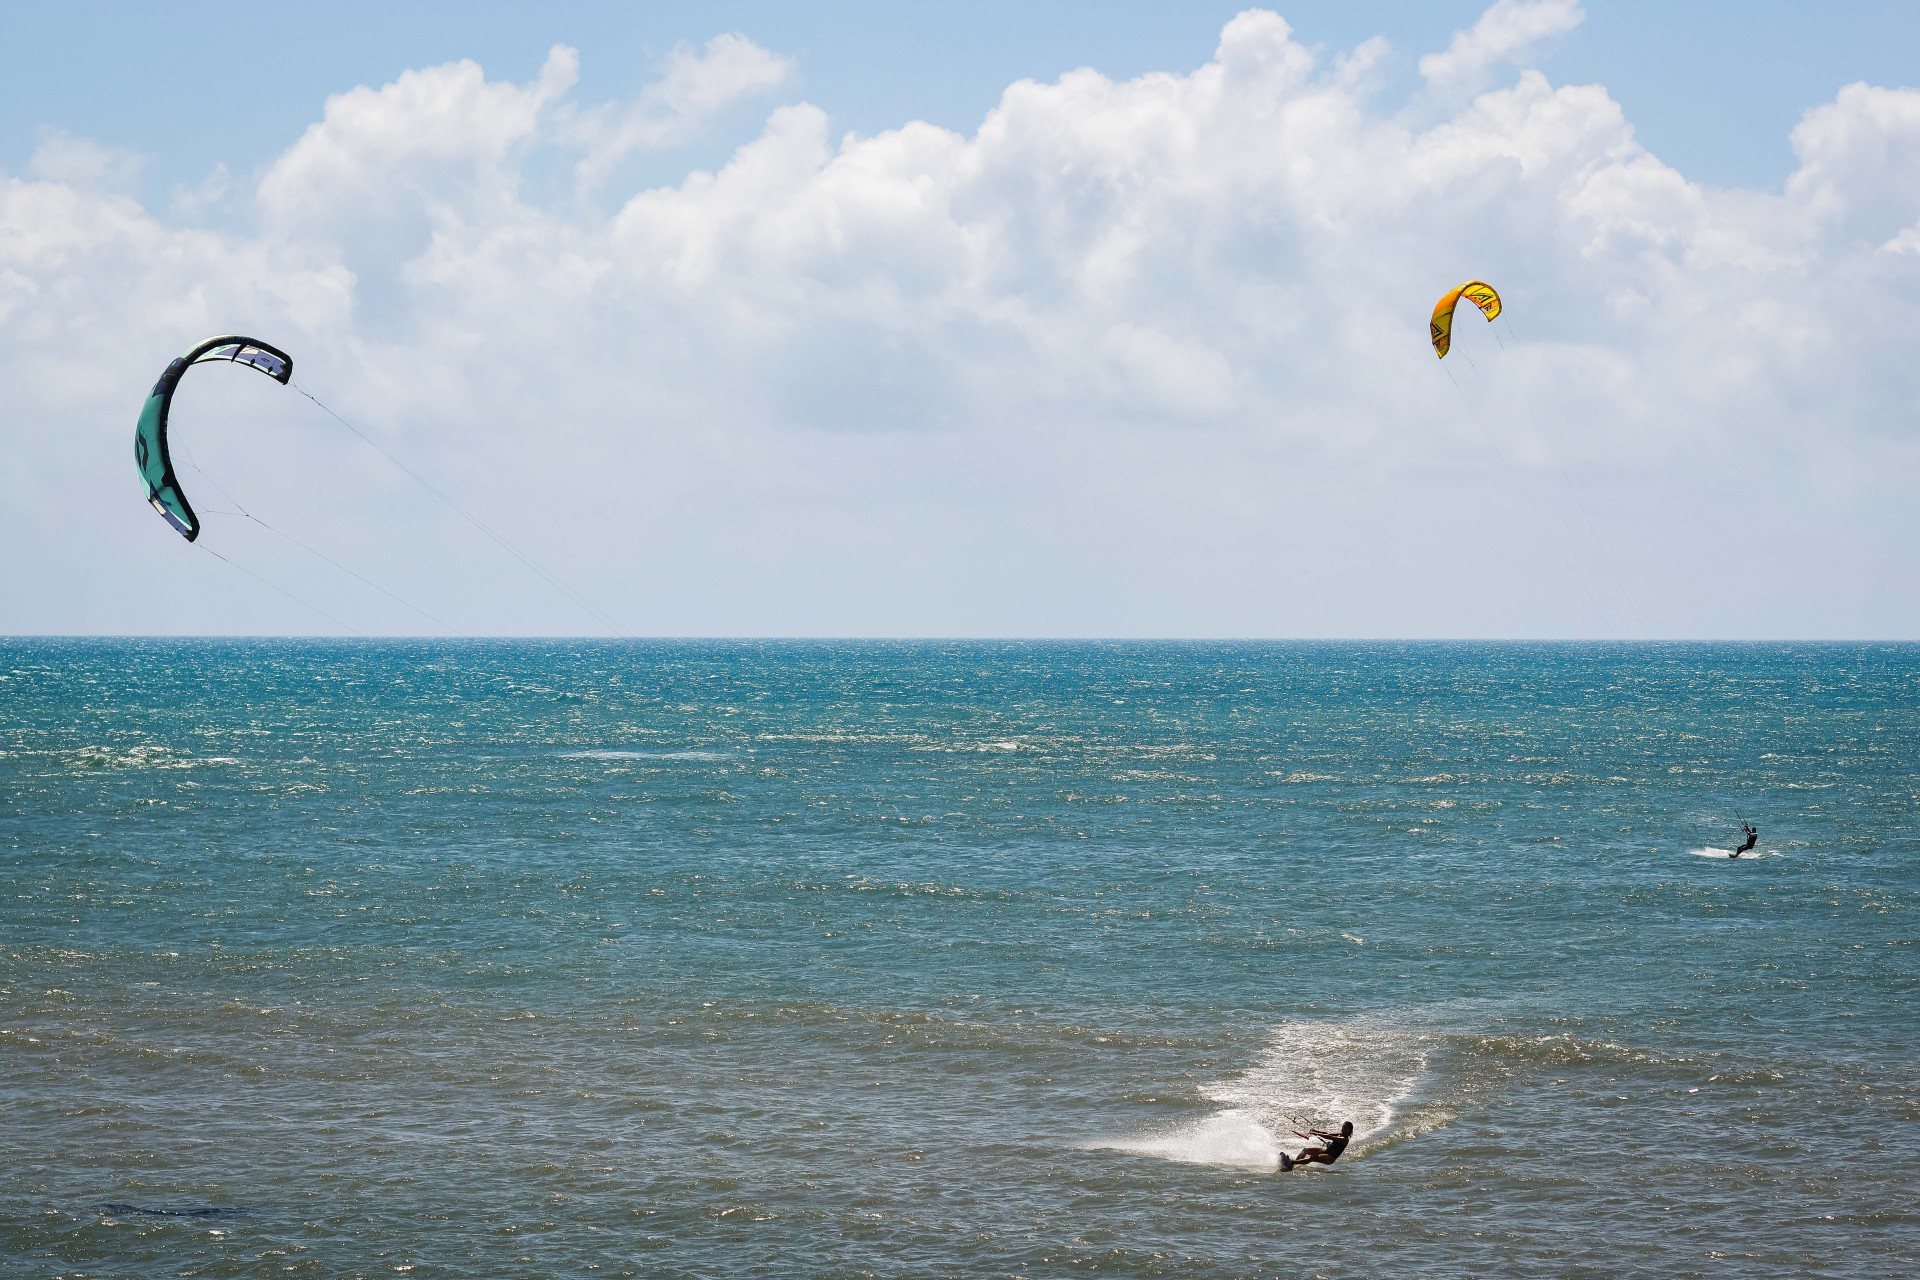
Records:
x=150, y=436
x=1479, y=293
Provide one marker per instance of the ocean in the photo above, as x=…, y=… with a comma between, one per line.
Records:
x=712, y=959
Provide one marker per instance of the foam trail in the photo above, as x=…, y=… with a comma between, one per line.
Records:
x=1321, y=1073
x=1231, y=1138
x=1312, y=1075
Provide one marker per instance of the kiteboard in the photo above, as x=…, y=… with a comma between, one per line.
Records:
x=1289, y=1165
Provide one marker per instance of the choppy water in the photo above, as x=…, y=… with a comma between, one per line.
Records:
x=720, y=959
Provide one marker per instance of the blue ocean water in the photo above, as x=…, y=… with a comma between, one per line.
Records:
x=974, y=959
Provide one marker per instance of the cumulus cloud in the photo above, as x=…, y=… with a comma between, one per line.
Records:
x=1508, y=32
x=386, y=169
x=1860, y=162
x=1134, y=356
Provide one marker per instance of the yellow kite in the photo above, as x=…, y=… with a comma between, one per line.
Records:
x=1479, y=293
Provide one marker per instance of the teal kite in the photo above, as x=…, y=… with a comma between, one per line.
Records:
x=150, y=437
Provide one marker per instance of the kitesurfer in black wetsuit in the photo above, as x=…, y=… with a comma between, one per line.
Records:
x=1332, y=1144
x=1753, y=838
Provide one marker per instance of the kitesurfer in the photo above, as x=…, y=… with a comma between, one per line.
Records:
x=1753, y=838
x=1331, y=1145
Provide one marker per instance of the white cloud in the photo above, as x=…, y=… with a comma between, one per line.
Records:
x=1507, y=32
x=386, y=169
x=84, y=164
x=1140, y=356
x=1860, y=161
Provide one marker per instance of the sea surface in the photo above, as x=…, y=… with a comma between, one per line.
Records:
x=719, y=959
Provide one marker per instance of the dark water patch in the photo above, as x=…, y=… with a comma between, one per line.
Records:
x=204, y=1211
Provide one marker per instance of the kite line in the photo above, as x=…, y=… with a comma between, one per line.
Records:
x=587, y=606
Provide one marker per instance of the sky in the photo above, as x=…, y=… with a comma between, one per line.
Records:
x=976, y=319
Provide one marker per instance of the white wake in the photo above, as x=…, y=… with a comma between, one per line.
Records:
x=1313, y=1075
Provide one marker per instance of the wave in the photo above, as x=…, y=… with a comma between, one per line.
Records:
x=865, y=737
x=1562, y=1050
x=143, y=756
x=979, y=748
x=598, y=754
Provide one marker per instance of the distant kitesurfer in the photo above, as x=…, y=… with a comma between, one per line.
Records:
x=1331, y=1145
x=1753, y=838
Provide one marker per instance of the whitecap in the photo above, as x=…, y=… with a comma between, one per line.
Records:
x=140, y=756
x=978, y=748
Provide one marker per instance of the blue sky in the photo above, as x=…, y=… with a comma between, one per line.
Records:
x=855, y=319
x=1712, y=86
